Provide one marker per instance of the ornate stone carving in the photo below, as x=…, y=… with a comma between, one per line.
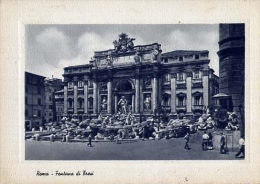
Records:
x=103, y=86
x=137, y=57
x=155, y=54
x=124, y=43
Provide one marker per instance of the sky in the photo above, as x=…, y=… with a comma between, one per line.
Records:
x=50, y=48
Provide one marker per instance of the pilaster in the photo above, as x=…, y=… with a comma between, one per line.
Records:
x=189, y=97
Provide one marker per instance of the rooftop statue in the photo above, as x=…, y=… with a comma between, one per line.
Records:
x=124, y=43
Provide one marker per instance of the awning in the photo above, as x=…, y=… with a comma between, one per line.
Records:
x=222, y=95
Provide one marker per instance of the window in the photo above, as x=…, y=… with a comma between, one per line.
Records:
x=90, y=103
x=70, y=84
x=26, y=113
x=166, y=100
x=197, y=100
x=166, y=60
x=26, y=89
x=50, y=98
x=70, y=103
x=50, y=90
x=181, y=101
x=166, y=78
x=50, y=114
x=180, y=76
x=196, y=74
x=197, y=56
x=80, y=103
x=50, y=106
x=26, y=100
x=39, y=113
x=90, y=83
x=39, y=101
x=80, y=84
x=181, y=58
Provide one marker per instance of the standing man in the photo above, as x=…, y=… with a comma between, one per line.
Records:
x=89, y=140
x=187, y=140
x=222, y=144
x=241, y=148
x=205, y=138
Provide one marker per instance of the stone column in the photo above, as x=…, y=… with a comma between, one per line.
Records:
x=85, y=96
x=95, y=96
x=137, y=95
x=133, y=103
x=173, y=93
x=109, y=96
x=205, y=81
x=155, y=91
x=65, y=98
x=116, y=103
x=109, y=92
x=75, y=86
x=137, y=89
x=189, y=86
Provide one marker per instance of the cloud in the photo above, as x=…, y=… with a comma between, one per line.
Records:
x=53, y=46
x=194, y=40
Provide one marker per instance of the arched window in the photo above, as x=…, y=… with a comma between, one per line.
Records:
x=70, y=103
x=80, y=84
x=166, y=100
x=180, y=76
x=70, y=84
x=80, y=103
x=90, y=103
x=181, y=99
x=196, y=74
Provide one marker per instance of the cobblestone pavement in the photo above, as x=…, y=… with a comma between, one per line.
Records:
x=172, y=149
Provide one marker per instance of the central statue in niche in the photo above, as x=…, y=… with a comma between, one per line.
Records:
x=124, y=43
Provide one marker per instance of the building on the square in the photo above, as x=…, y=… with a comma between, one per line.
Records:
x=140, y=79
x=232, y=70
x=51, y=86
x=231, y=66
x=59, y=103
x=34, y=101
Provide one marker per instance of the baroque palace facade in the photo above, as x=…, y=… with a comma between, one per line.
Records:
x=139, y=79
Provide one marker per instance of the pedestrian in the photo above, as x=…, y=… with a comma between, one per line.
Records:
x=222, y=144
x=210, y=142
x=205, y=138
x=89, y=140
x=241, y=148
x=187, y=140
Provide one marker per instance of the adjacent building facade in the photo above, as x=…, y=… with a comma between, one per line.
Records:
x=231, y=66
x=51, y=86
x=34, y=100
x=139, y=79
x=59, y=104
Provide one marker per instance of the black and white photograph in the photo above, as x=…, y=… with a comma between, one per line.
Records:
x=135, y=92
x=148, y=92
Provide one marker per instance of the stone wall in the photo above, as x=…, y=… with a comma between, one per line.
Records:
x=232, y=138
